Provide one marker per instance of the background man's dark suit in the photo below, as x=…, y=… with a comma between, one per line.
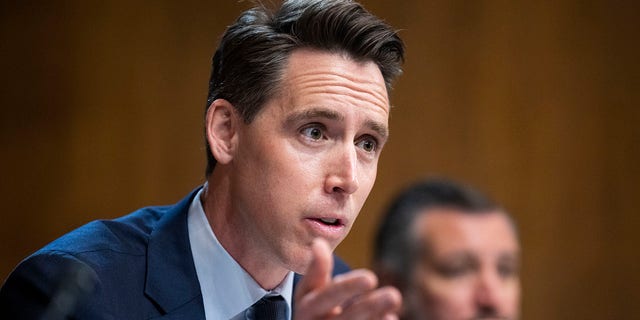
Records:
x=139, y=266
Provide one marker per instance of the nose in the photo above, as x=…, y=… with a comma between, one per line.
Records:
x=342, y=174
x=488, y=294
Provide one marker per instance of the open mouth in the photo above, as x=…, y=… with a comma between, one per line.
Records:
x=329, y=221
x=332, y=229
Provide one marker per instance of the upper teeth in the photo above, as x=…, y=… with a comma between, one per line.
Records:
x=328, y=220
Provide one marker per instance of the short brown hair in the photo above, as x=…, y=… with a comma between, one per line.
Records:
x=248, y=64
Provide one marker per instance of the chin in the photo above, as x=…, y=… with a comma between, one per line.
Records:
x=300, y=261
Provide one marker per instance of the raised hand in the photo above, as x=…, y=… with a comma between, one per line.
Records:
x=352, y=295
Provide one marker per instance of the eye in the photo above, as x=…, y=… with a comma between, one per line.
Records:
x=368, y=144
x=454, y=271
x=457, y=267
x=313, y=132
x=507, y=270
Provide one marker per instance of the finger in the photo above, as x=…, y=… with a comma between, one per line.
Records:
x=390, y=316
x=318, y=273
x=382, y=303
x=342, y=290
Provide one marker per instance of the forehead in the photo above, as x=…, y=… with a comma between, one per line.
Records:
x=450, y=230
x=315, y=77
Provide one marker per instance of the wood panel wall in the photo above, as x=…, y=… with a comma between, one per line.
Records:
x=535, y=102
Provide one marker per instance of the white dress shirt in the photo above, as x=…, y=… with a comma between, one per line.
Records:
x=227, y=289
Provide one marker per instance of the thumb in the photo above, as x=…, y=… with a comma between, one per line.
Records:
x=318, y=273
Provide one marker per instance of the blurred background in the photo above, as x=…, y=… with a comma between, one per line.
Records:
x=534, y=102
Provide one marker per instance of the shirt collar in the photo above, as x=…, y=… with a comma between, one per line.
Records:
x=227, y=289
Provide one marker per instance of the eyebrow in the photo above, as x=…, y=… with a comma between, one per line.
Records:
x=380, y=128
x=313, y=113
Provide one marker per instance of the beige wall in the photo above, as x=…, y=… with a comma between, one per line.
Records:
x=534, y=102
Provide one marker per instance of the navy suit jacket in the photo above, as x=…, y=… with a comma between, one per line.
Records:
x=139, y=266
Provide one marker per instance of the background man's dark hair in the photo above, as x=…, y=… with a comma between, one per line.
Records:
x=395, y=248
x=248, y=65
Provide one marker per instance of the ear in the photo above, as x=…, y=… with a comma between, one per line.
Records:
x=222, y=125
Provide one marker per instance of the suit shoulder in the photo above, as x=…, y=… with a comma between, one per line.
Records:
x=128, y=234
x=30, y=288
x=339, y=266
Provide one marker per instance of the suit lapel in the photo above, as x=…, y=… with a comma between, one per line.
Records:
x=171, y=280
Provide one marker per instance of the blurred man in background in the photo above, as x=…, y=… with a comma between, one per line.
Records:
x=452, y=252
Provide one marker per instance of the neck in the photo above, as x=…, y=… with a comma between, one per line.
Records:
x=254, y=258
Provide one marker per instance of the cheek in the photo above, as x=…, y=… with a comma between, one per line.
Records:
x=260, y=178
x=284, y=179
x=366, y=179
x=273, y=165
x=512, y=297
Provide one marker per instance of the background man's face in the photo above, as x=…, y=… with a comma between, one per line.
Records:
x=308, y=161
x=469, y=270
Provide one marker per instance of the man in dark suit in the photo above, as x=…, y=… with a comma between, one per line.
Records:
x=296, y=118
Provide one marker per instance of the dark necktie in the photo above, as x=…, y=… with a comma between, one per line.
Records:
x=268, y=308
